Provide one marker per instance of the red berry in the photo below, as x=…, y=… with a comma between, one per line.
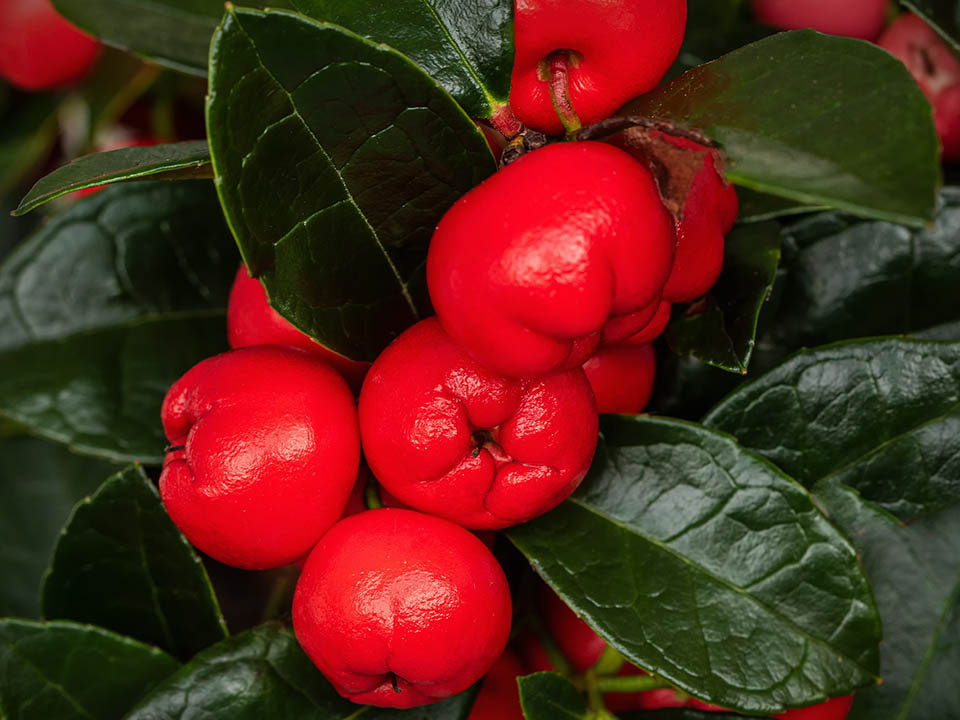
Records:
x=447, y=436
x=499, y=697
x=834, y=709
x=708, y=215
x=622, y=49
x=400, y=609
x=39, y=49
x=622, y=377
x=525, y=270
x=935, y=68
x=853, y=18
x=251, y=321
x=266, y=453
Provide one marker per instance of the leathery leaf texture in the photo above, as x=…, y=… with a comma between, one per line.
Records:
x=334, y=158
x=881, y=416
x=701, y=562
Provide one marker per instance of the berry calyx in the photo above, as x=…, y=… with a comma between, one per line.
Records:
x=399, y=609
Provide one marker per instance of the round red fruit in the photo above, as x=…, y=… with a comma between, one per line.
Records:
x=39, y=49
x=852, y=18
x=526, y=269
x=448, y=436
x=265, y=453
x=400, y=609
x=251, y=321
x=499, y=698
x=617, y=50
x=622, y=377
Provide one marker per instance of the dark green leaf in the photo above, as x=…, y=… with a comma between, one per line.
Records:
x=121, y=564
x=27, y=134
x=100, y=392
x=882, y=416
x=172, y=33
x=915, y=573
x=723, y=333
x=818, y=119
x=467, y=45
x=548, y=696
x=848, y=278
x=263, y=673
x=702, y=563
x=715, y=27
x=131, y=252
x=39, y=485
x=335, y=159
x=178, y=161
x=759, y=207
x=942, y=16
x=64, y=671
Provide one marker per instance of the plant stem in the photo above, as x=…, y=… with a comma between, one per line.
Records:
x=371, y=494
x=630, y=683
x=559, y=72
x=609, y=663
x=506, y=122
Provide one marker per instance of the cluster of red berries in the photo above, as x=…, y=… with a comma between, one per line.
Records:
x=552, y=276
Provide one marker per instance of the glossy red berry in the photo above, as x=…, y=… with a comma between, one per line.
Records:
x=251, y=321
x=834, y=709
x=527, y=268
x=622, y=377
x=499, y=697
x=937, y=71
x=708, y=215
x=853, y=18
x=448, y=436
x=400, y=609
x=266, y=451
x=620, y=50
x=39, y=49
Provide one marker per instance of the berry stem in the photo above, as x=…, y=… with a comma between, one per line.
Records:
x=505, y=121
x=371, y=494
x=559, y=71
x=609, y=662
x=630, y=683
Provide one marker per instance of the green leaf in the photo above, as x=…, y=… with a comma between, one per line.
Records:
x=100, y=392
x=466, y=45
x=548, y=696
x=882, y=416
x=335, y=159
x=172, y=33
x=263, y=673
x=39, y=485
x=132, y=252
x=704, y=564
x=849, y=278
x=759, y=207
x=941, y=15
x=27, y=134
x=65, y=671
x=121, y=564
x=818, y=119
x=915, y=573
x=177, y=161
x=723, y=333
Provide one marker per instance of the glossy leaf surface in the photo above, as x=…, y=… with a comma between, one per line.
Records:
x=722, y=330
x=335, y=158
x=915, y=573
x=120, y=563
x=465, y=45
x=818, y=119
x=64, y=671
x=39, y=484
x=881, y=416
x=177, y=161
x=548, y=696
x=702, y=563
x=263, y=673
